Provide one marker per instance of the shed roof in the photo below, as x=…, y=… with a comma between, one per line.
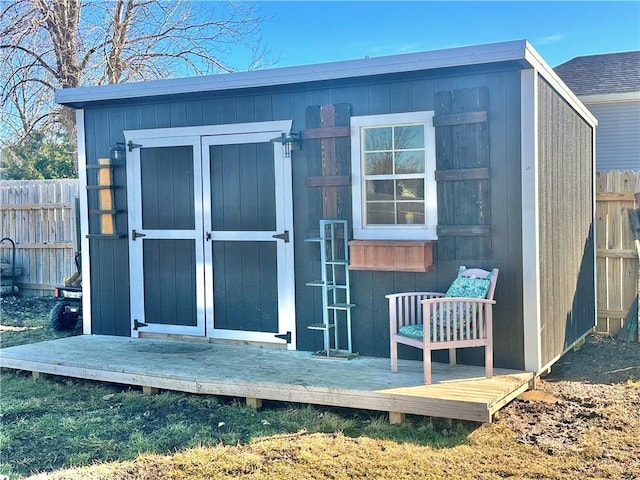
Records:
x=519, y=51
x=602, y=74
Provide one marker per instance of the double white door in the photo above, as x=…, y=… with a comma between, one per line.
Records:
x=211, y=232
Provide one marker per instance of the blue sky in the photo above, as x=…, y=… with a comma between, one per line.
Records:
x=306, y=32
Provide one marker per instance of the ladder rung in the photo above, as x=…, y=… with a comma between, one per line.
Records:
x=341, y=306
x=321, y=326
x=315, y=239
x=336, y=262
x=318, y=283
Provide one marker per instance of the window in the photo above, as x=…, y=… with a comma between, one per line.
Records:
x=393, y=176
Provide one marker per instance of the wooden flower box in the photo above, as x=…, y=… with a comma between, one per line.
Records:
x=391, y=255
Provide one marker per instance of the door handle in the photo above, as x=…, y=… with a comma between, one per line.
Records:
x=207, y=236
x=135, y=234
x=282, y=236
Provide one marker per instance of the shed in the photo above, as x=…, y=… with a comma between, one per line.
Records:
x=609, y=85
x=195, y=212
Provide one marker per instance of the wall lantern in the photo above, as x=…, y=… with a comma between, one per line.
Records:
x=117, y=152
x=290, y=142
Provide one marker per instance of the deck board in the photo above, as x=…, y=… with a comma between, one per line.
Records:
x=458, y=392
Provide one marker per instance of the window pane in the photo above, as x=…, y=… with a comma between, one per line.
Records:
x=410, y=162
x=380, y=190
x=410, y=189
x=380, y=213
x=376, y=139
x=411, y=212
x=410, y=136
x=378, y=163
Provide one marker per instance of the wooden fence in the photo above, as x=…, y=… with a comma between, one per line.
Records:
x=617, y=258
x=39, y=216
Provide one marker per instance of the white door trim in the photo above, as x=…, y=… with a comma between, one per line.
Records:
x=257, y=132
x=277, y=126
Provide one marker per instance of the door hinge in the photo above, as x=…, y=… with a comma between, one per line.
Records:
x=284, y=336
x=138, y=324
x=131, y=145
x=283, y=236
x=135, y=234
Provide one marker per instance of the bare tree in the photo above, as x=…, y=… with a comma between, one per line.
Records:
x=50, y=44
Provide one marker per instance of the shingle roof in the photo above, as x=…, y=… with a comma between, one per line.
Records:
x=602, y=74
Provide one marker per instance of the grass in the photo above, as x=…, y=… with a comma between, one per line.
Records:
x=74, y=429
x=26, y=320
x=489, y=452
x=55, y=422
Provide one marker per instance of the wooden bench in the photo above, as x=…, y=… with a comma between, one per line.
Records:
x=435, y=321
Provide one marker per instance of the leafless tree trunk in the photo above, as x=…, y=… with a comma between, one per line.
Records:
x=51, y=44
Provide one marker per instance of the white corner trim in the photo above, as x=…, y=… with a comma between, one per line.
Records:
x=452, y=57
x=84, y=223
x=543, y=68
x=610, y=98
x=530, y=220
x=594, y=223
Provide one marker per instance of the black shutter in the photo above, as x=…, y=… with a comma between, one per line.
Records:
x=462, y=174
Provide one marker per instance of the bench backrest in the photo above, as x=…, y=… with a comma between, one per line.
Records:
x=480, y=273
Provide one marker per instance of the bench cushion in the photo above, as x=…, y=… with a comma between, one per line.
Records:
x=417, y=332
x=469, y=287
x=412, y=331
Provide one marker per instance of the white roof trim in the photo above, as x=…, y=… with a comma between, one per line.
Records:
x=610, y=98
x=536, y=61
x=410, y=62
x=473, y=55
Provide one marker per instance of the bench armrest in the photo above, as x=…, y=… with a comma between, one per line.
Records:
x=406, y=308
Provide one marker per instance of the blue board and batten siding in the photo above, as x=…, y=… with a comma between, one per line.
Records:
x=392, y=93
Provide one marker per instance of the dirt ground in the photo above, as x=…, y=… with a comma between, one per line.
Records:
x=593, y=389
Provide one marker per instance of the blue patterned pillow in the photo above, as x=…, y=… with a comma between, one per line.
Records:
x=469, y=287
x=413, y=331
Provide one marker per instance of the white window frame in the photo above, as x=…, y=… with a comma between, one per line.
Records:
x=361, y=231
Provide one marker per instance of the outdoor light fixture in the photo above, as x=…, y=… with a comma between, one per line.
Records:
x=117, y=152
x=290, y=142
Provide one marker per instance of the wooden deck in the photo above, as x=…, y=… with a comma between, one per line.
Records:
x=256, y=374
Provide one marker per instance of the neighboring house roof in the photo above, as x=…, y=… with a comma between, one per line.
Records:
x=602, y=74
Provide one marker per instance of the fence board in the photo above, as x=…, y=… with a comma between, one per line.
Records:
x=39, y=216
x=617, y=261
